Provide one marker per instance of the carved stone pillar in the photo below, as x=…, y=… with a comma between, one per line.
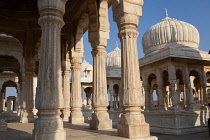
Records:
x=18, y=100
x=184, y=95
x=116, y=95
x=173, y=82
x=204, y=97
x=66, y=94
x=174, y=94
x=9, y=105
x=1, y=100
x=100, y=117
x=27, y=98
x=147, y=93
x=160, y=89
x=98, y=36
x=111, y=91
x=147, y=98
x=76, y=98
x=191, y=96
x=49, y=97
x=132, y=122
x=187, y=89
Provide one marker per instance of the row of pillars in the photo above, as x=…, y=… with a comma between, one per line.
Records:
x=49, y=98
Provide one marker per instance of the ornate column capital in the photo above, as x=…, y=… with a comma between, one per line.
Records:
x=76, y=63
x=127, y=12
x=66, y=65
x=49, y=7
x=51, y=12
x=99, y=51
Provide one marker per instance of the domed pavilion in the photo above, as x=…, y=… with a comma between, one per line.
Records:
x=175, y=74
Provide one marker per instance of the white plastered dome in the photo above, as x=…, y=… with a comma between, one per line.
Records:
x=170, y=33
x=113, y=59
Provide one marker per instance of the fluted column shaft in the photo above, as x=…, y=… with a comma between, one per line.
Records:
x=66, y=94
x=111, y=91
x=100, y=96
x=98, y=36
x=132, y=123
x=76, y=98
x=173, y=82
x=49, y=97
x=160, y=89
x=27, y=99
x=147, y=93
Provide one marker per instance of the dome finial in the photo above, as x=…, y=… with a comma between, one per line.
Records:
x=116, y=44
x=166, y=12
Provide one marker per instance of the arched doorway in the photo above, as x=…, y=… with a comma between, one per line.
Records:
x=9, y=97
x=195, y=87
x=153, y=94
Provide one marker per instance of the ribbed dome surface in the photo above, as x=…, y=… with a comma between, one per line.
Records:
x=114, y=58
x=170, y=32
x=86, y=66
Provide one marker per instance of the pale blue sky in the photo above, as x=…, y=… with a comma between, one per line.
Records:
x=195, y=12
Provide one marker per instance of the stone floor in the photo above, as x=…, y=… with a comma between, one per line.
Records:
x=18, y=131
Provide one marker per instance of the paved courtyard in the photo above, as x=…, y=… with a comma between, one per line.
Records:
x=19, y=131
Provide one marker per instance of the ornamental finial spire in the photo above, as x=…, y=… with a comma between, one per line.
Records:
x=116, y=44
x=166, y=12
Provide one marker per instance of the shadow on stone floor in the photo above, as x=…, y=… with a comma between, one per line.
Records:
x=194, y=136
x=85, y=127
x=13, y=134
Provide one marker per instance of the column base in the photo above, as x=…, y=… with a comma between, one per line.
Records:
x=133, y=126
x=66, y=114
x=49, y=128
x=76, y=117
x=27, y=117
x=100, y=121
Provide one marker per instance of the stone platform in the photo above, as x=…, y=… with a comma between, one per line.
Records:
x=177, y=122
x=19, y=131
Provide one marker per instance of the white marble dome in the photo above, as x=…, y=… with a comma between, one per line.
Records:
x=170, y=33
x=86, y=66
x=113, y=59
